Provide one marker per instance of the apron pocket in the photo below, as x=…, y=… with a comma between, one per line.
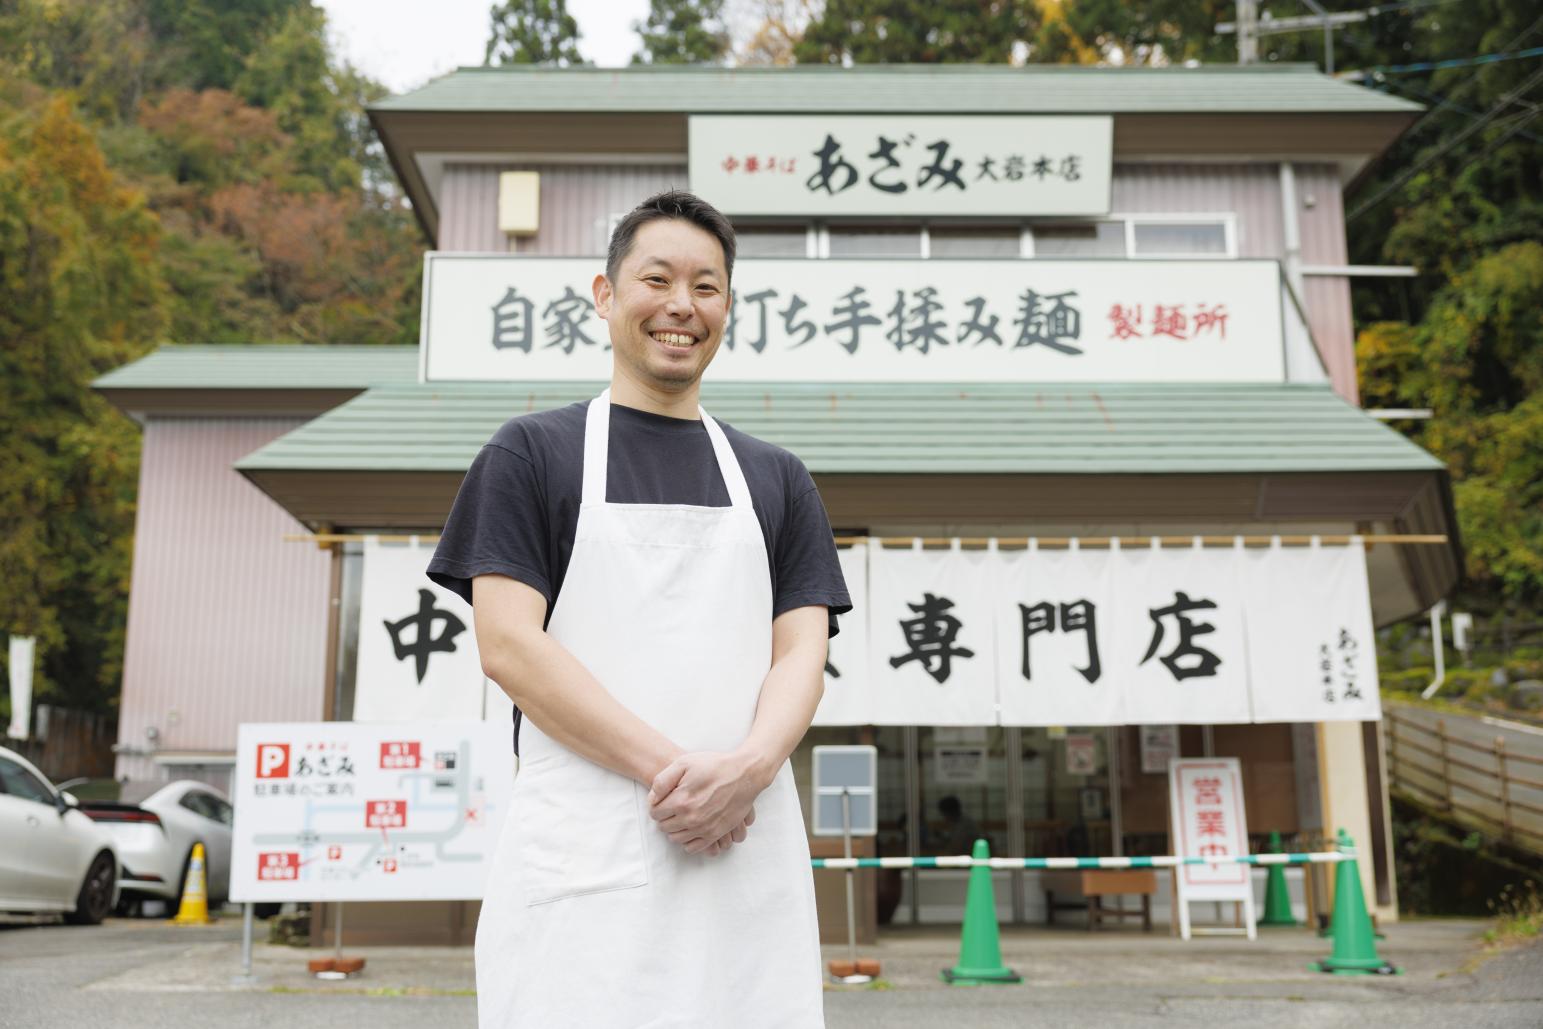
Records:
x=581, y=829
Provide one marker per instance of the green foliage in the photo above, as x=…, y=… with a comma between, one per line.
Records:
x=1476, y=360
x=916, y=31
x=1155, y=32
x=682, y=32
x=532, y=32
x=170, y=170
x=80, y=293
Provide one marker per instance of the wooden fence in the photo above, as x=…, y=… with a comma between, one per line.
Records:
x=66, y=743
x=1482, y=773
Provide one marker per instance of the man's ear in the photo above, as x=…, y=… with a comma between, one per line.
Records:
x=601, y=287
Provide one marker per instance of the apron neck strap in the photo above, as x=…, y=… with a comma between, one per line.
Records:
x=597, y=448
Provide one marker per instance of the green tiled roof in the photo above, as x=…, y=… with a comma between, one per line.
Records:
x=265, y=366
x=874, y=428
x=954, y=89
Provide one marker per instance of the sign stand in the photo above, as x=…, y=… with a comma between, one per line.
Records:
x=849, y=773
x=1206, y=801
x=246, y=977
x=846, y=832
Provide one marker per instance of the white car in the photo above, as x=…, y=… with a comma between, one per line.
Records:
x=52, y=857
x=155, y=838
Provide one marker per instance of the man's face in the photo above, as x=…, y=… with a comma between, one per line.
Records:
x=667, y=307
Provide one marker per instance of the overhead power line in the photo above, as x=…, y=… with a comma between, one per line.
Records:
x=1456, y=62
x=1429, y=159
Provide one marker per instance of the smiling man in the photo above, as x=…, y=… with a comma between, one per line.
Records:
x=654, y=590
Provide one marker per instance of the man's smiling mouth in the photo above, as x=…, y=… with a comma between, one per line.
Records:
x=673, y=339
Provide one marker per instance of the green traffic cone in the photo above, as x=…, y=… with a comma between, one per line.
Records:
x=1355, y=944
x=1277, y=898
x=980, y=949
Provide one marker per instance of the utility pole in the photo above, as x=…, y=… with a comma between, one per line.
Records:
x=1249, y=28
x=1248, y=31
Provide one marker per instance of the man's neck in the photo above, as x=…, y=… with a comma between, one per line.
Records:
x=672, y=404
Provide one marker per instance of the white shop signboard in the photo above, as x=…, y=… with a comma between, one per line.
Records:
x=902, y=165
x=499, y=317
x=340, y=811
x=1205, y=801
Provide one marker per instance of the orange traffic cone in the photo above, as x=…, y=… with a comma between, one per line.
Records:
x=194, y=909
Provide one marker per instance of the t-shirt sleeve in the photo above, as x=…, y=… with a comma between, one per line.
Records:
x=498, y=525
x=808, y=571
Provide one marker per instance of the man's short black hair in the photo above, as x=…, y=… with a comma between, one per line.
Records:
x=672, y=203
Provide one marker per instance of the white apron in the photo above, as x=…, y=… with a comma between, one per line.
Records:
x=592, y=918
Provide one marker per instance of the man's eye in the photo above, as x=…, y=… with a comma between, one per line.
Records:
x=654, y=278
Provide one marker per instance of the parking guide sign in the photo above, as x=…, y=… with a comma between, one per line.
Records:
x=337, y=811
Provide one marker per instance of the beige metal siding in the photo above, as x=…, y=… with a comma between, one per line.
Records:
x=577, y=202
x=227, y=623
x=1327, y=297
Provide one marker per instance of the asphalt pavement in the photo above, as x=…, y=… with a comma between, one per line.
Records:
x=144, y=972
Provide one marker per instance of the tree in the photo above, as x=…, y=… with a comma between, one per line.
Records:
x=782, y=24
x=532, y=32
x=916, y=31
x=682, y=32
x=80, y=293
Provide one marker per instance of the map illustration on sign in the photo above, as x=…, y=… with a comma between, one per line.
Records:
x=368, y=811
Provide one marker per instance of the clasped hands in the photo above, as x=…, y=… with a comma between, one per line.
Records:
x=704, y=800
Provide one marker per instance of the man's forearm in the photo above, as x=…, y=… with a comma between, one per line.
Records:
x=790, y=693
x=557, y=693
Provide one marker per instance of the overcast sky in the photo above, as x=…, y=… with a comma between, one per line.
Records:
x=404, y=43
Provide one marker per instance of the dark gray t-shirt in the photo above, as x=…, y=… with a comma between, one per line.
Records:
x=518, y=507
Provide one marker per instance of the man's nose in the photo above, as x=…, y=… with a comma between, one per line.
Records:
x=678, y=302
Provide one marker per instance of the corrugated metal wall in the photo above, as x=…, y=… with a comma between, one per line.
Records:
x=577, y=202
x=227, y=623
x=1327, y=298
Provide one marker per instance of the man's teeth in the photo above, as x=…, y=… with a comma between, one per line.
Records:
x=675, y=339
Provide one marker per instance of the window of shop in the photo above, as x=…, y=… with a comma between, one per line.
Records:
x=772, y=240
x=873, y=240
x=1080, y=239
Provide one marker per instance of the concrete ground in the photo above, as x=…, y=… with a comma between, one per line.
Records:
x=143, y=972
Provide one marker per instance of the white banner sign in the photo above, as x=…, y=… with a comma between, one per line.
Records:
x=348, y=811
x=902, y=165
x=1205, y=801
x=22, y=651
x=417, y=658
x=847, y=700
x=1051, y=659
x=1177, y=651
x=930, y=637
x=500, y=317
x=1312, y=656
x=1109, y=636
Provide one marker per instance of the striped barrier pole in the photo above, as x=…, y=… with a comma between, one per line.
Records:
x=1154, y=861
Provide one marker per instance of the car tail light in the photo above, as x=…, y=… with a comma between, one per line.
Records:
x=124, y=814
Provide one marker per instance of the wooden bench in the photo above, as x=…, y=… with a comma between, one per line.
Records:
x=1095, y=883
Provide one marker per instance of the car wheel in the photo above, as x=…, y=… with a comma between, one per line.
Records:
x=96, y=892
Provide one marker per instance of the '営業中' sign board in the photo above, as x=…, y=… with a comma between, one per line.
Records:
x=338, y=811
x=1205, y=801
x=499, y=317
x=902, y=165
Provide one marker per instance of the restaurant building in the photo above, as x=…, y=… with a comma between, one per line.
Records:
x=1004, y=315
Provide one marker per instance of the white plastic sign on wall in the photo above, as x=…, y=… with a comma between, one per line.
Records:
x=337, y=811
x=851, y=769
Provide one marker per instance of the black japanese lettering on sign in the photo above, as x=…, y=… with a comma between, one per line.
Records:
x=1078, y=616
x=920, y=320
x=424, y=642
x=930, y=635
x=1185, y=660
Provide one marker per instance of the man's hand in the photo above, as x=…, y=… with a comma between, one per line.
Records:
x=703, y=798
